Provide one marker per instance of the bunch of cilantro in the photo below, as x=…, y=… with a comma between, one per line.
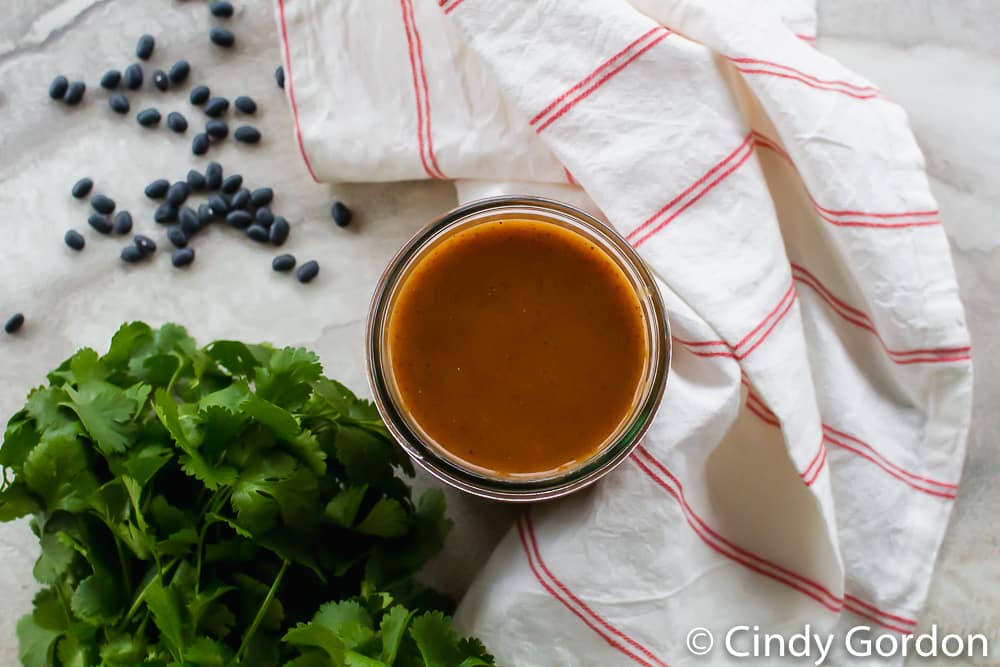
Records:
x=224, y=505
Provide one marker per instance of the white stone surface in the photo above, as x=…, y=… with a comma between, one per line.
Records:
x=941, y=61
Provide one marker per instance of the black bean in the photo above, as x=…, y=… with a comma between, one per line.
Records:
x=245, y=104
x=189, y=221
x=111, y=79
x=144, y=48
x=199, y=145
x=57, y=89
x=222, y=37
x=148, y=117
x=199, y=95
x=158, y=188
x=177, y=236
x=165, y=214
x=133, y=76
x=177, y=122
x=283, y=263
x=213, y=176
x=264, y=217
x=82, y=188
x=232, y=184
x=278, y=233
x=279, y=77
x=179, y=72
x=217, y=129
x=205, y=215
x=262, y=196
x=182, y=256
x=216, y=106
x=118, y=103
x=240, y=200
x=258, y=233
x=122, y=222
x=178, y=193
x=100, y=223
x=196, y=180
x=239, y=219
x=132, y=254
x=307, y=271
x=160, y=80
x=14, y=323
x=145, y=244
x=341, y=214
x=247, y=134
x=221, y=9
x=218, y=206
x=102, y=204
x=74, y=94
x=74, y=239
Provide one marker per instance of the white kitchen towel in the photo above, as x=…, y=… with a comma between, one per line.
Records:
x=803, y=465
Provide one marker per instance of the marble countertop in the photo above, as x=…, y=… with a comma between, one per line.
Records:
x=941, y=61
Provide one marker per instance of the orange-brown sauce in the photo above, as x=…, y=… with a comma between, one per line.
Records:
x=516, y=345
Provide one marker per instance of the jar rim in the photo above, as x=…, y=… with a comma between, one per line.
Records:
x=513, y=488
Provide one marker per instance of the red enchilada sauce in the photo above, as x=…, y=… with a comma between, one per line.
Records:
x=517, y=346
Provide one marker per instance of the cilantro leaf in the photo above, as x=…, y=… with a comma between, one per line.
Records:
x=388, y=518
x=106, y=412
x=36, y=644
x=60, y=474
x=98, y=599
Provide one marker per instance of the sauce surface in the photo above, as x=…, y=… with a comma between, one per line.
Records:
x=517, y=346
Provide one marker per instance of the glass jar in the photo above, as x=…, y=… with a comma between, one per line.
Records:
x=435, y=458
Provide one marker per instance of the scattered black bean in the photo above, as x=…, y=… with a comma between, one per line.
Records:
x=232, y=184
x=179, y=72
x=148, y=117
x=57, y=89
x=341, y=214
x=245, y=104
x=218, y=206
x=240, y=200
x=82, y=188
x=74, y=94
x=278, y=233
x=145, y=244
x=182, y=256
x=262, y=196
x=100, y=223
x=133, y=76
x=158, y=188
x=279, y=77
x=144, y=48
x=111, y=79
x=258, y=233
x=216, y=106
x=102, y=204
x=199, y=145
x=160, y=80
x=14, y=323
x=132, y=254
x=216, y=128
x=247, y=134
x=189, y=220
x=222, y=37
x=213, y=176
x=307, y=271
x=122, y=222
x=74, y=239
x=165, y=214
x=177, y=122
x=221, y=9
x=196, y=180
x=283, y=263
x=205, y=214
x=118, y=103
x=178, y=193
x=200, y=95
x=177, y=236
x=239, y=219
x=264, y=217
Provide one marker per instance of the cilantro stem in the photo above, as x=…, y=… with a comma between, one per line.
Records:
x=261, y=611
x=160, y=574
x=126, y=579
